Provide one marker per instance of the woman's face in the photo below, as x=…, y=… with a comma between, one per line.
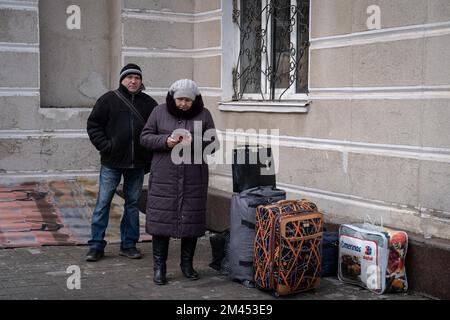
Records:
x=183, y=103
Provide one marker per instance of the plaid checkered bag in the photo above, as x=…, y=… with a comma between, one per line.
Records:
x=287, y=250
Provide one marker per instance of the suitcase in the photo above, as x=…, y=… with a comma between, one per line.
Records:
x=242, y=229
x=287, y=250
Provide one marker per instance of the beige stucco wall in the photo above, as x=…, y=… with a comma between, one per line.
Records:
x=74, y=64
x=18, y=26
x=374, y=142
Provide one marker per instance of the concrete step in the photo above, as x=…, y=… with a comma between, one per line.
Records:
x=426, y=260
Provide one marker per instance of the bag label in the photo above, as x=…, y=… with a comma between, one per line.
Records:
x=359, y=262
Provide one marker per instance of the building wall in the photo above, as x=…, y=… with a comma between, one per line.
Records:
x=373, y=145
x=19, y=50
x=36, y=141
x=171, y=40
x=74, y=63
x=45, y=64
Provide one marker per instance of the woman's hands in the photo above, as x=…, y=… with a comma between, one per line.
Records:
x=171, y=142
x=179, y=135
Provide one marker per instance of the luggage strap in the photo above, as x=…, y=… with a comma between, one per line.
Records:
x=129, y=105
x=248, y=224
x=246, y=263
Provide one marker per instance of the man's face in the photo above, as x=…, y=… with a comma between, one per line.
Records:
x=132, y=82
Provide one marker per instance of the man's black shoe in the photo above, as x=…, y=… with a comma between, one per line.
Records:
x=94, y=255
x=131, y=253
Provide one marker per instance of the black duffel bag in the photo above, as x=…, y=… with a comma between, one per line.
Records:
x=252, y=167
x=330, y=254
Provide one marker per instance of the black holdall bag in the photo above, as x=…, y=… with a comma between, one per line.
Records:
x=330, y=253
x=242, y=230
x=253, y=166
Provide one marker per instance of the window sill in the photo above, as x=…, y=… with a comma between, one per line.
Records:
x=297, y=106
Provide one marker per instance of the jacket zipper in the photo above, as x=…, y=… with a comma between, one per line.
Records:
x=132, y=134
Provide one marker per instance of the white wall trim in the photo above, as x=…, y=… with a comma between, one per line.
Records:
x=398, y=92
x=169, y=16
x=38, y=134
x=265, y=106
x=19, y=47
x=172, y=53
x=310, y=44
x=19, y=5
x=19, y=92
x=228, y=34
x=334, y=196
x=205, y=91
x=345, y=147
x=395, y=208
x=346, y=199
x=382, y=35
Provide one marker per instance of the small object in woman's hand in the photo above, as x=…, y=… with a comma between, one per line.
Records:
x=183, y=136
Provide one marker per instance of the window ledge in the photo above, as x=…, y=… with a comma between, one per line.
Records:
x=297, y=106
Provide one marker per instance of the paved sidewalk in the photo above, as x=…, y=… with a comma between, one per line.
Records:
x=40, y=273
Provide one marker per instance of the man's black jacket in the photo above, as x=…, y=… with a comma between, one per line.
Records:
x=115, y=131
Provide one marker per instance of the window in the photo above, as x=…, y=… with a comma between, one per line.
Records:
x=272, y=57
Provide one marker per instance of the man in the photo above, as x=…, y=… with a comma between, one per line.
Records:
x=114, y=128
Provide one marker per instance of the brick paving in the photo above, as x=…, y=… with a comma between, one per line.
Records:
x=40, y=274
x=34, y=214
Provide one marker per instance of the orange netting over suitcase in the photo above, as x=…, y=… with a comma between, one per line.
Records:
x=287, y=251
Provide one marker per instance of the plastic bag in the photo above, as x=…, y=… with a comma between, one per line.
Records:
x=373, y=257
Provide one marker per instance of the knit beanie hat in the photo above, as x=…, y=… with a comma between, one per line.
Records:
x=184, y=88
x=130, y=68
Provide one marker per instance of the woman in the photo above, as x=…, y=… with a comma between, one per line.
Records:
x=176, y=202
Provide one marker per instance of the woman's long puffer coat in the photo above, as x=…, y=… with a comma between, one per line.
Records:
x=177, y=193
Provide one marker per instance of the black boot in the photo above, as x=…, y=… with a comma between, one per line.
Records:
x=160, y=251
x=187, y=255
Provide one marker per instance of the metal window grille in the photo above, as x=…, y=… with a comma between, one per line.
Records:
x=273, y=48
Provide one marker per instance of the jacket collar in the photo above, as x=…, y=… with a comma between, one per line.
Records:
x=197, y=107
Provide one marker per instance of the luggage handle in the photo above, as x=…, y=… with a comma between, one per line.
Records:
x=316, y=235
x=285, y=220
x=298, y=203
x=277, y=205
x=284, y=202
